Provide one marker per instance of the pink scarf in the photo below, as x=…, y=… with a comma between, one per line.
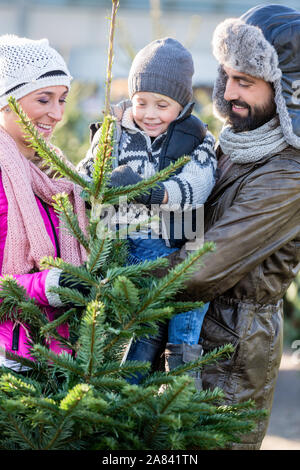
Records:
x=27, y=240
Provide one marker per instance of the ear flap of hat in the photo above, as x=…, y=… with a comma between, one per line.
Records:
x=220, y=105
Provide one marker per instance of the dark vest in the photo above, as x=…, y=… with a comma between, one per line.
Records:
x=182, y=138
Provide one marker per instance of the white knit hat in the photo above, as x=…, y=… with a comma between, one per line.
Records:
x=27, y=65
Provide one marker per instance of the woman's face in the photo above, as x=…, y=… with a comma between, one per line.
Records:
x=45, y=108
x=153, y=112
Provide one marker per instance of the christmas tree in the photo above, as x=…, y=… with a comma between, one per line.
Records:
x=82, y=399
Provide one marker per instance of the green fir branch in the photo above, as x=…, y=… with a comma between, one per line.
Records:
x=155, y=314
x=171, y=283
x=50, y=332
x=211, y=357
x=17, y=306
x=181, y=307
x=92, y=340
x=106, y=383
x=124, y=289
x=210, y=396
x=110, y=55
x=15, y=427
x=85, y=402
x=203, y=439
x=46, y=404
x=129, y=403
x=69, y=296
x=125, y=370
x=71, y=272
x=72, y=401
x=22, y=360
x=167, y=286
x=218, y=354
x=172, y=396
x=74, y=396
x=99, y=251
x=131, y=272
x=119, y=312
x=12, y=294
x=103, y=159
x=35, y=141
x=11, y=384
x=47, y=329
x=62, y=362
x=113, y=195
x=103, y=422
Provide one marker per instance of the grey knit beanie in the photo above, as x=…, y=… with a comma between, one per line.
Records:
x=27, y=65
x=164, y=66
x=264, y=43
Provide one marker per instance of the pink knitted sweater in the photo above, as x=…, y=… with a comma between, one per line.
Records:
x=27, y=239
x=26, y=235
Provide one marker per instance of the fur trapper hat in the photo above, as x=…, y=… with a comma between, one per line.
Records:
x=264, y=43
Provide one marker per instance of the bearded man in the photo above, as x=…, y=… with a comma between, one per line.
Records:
x=253, y=213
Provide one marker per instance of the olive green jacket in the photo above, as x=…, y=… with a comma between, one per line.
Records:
x=253, y=216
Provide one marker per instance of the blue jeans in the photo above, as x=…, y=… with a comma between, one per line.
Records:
x=183, y=327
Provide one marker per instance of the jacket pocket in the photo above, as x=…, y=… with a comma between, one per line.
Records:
x=215, y=334
x=219, y=374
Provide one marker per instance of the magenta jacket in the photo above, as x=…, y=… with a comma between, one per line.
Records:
x=13, y=337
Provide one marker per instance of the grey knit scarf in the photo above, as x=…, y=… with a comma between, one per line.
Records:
x=252, y=146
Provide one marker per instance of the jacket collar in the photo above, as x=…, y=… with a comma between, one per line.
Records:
x=229, y=172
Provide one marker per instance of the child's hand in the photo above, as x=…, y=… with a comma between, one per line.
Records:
x=123, y=175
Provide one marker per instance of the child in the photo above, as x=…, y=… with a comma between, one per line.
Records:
x=155, y=128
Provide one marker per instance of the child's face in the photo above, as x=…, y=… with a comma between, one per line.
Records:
x=153, y=112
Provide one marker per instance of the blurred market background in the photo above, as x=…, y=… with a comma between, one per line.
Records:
x=79, y=30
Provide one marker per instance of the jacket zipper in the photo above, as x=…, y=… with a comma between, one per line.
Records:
x=16, y=331
x=162, y=156
x=45, y=206
x=15, y=338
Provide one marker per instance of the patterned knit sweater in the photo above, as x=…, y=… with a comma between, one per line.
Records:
x=135, y=148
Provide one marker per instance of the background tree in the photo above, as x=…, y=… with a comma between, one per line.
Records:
x=83, y=400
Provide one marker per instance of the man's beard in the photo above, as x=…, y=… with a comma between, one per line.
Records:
x=257, y=116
